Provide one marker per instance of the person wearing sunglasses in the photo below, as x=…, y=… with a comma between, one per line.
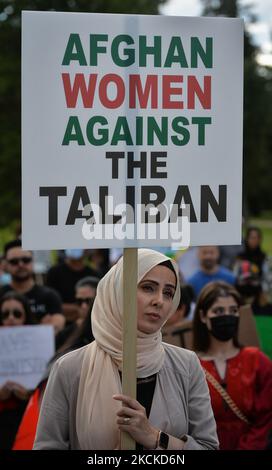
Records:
x=85, y=292
x=14, y=311
x=64, y=277
x=45, y=303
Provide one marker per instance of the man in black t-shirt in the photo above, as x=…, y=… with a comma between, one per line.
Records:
x=64, y=278
x=45, y=302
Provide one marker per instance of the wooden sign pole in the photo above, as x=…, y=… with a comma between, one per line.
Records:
x=130, y=274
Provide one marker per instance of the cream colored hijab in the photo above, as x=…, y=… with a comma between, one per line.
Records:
x=99, y=380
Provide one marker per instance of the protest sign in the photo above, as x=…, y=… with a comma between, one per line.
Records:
x=132, y=130
x=24, y=353
x=132, y=137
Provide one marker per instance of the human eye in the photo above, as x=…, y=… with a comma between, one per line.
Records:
x=169, y=294
x=218, y=311
x=234, y=310
x=147, y=288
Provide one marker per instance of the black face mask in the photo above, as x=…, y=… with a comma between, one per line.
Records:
x=224, y=327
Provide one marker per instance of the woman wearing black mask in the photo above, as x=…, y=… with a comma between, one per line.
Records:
x=239, y=378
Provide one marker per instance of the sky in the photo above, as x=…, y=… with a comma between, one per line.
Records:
x=261, y=31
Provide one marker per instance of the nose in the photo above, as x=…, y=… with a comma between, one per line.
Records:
x=158, y=298
x=85, y=307
x=20, y=263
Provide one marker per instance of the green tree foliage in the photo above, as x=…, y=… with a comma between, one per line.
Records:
x=257, y=113
x=10, y=83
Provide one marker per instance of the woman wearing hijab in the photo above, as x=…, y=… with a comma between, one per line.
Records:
x=83, y=406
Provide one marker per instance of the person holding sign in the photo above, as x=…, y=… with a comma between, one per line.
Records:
x=14, y=311
x=83, y=406
x=239, y=378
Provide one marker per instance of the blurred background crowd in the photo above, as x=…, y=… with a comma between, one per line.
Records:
x=59, y=288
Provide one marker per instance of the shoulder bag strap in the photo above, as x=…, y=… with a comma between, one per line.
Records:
x=224, y=394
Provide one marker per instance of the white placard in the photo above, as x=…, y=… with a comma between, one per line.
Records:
x=24, y=353
x=122, y=111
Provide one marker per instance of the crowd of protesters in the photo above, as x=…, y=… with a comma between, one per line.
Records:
x=215, y=282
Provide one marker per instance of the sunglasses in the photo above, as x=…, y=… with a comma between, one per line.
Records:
x=15, y=313
x=86, y=300
x=16, y=261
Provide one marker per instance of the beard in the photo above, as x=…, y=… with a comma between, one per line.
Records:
x=21, y=276
x=208, y=264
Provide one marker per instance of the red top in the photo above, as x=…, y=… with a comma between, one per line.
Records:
x=248, y=381
x=26, y=433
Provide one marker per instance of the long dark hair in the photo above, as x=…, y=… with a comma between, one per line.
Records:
x=207, y=297
x=253, y=229
x=12, y=295
x=81, y=336
x=254, y=255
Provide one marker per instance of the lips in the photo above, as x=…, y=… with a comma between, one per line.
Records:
x=153, y=316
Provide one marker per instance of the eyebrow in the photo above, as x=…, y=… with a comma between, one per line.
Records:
x=221, y=306
x=157, y=283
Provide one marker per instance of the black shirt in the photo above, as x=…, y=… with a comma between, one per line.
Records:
x=145, y=392
x=63, y=279
x=10, y=418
